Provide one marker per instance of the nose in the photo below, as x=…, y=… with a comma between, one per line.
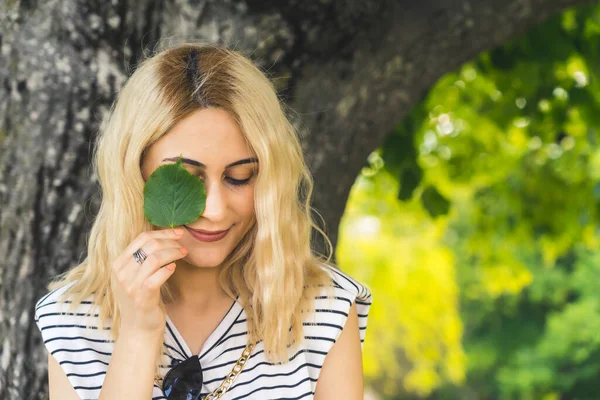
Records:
x=215, y=203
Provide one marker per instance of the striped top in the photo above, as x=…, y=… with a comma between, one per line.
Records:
x=84, y=354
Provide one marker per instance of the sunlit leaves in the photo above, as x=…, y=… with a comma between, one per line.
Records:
x=434, y=202
x=489, y=197
x=414, y=329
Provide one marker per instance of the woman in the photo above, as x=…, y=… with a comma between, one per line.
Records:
x=234, y=305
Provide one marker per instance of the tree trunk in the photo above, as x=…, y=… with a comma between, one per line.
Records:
x=350, y=69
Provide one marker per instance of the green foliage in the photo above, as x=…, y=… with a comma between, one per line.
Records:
x=434, y=202
x=173, y=196
x=481, y=211
x=414, y=327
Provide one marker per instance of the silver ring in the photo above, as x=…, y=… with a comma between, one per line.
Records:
x=140, y=256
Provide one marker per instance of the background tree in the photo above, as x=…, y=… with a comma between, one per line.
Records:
x=350, y=69
x=493, y=207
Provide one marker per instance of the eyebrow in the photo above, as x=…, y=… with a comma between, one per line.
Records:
x=199, y=164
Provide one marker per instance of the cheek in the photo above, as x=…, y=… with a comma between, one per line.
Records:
x=244, y=204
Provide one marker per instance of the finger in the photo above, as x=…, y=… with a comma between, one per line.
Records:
x=128, y=272
x=143, y=238
x=128, y=275
x=158, y=260
x=133, y=275
x=150, y=288
x=156, y=244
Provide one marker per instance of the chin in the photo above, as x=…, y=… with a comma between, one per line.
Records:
x=205, y=263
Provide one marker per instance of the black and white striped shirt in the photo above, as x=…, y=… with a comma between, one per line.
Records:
x=84, y=354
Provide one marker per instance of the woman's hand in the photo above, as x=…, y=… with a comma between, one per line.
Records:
x=138, y=291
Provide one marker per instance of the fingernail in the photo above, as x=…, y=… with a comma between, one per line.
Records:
x=183, y=250
x=179, y=231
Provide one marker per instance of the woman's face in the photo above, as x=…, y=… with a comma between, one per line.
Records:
x=212, y=148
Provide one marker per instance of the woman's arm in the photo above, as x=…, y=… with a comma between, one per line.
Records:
x=130, y=374
x=342, y=374
x=59, y=386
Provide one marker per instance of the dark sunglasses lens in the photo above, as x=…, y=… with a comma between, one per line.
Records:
x=184, y=382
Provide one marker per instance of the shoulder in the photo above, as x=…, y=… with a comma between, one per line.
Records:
x=344, y=283
x=51, y=298
x=72, y=334
x=56, y=307
x=333, y=304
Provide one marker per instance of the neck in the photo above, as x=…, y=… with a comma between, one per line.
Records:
x=196, y=288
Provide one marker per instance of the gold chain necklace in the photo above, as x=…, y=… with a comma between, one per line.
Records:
x=229, y=379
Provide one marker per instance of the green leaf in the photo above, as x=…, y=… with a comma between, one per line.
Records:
x=434, y=202
x=173, y=196
x=409, y=181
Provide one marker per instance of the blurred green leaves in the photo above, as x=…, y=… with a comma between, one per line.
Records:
x=434, y=202
x=480, y=212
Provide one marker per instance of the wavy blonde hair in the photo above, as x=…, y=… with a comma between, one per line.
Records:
x=273, y=269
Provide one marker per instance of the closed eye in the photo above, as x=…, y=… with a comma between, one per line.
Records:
x=238, y=182
x=232, y=181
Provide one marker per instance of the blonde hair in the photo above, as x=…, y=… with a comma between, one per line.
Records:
x=273, y=269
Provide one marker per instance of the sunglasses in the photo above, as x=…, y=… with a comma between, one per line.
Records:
x=184, y=381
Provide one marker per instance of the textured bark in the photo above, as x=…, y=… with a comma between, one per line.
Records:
x=351, y=70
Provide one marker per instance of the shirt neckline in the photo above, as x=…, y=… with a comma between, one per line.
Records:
x=213, y=339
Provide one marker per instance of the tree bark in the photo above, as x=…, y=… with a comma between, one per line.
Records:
x=350, y=69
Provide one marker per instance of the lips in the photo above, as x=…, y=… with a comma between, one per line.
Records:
x=206, y=232
x=202, y=236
